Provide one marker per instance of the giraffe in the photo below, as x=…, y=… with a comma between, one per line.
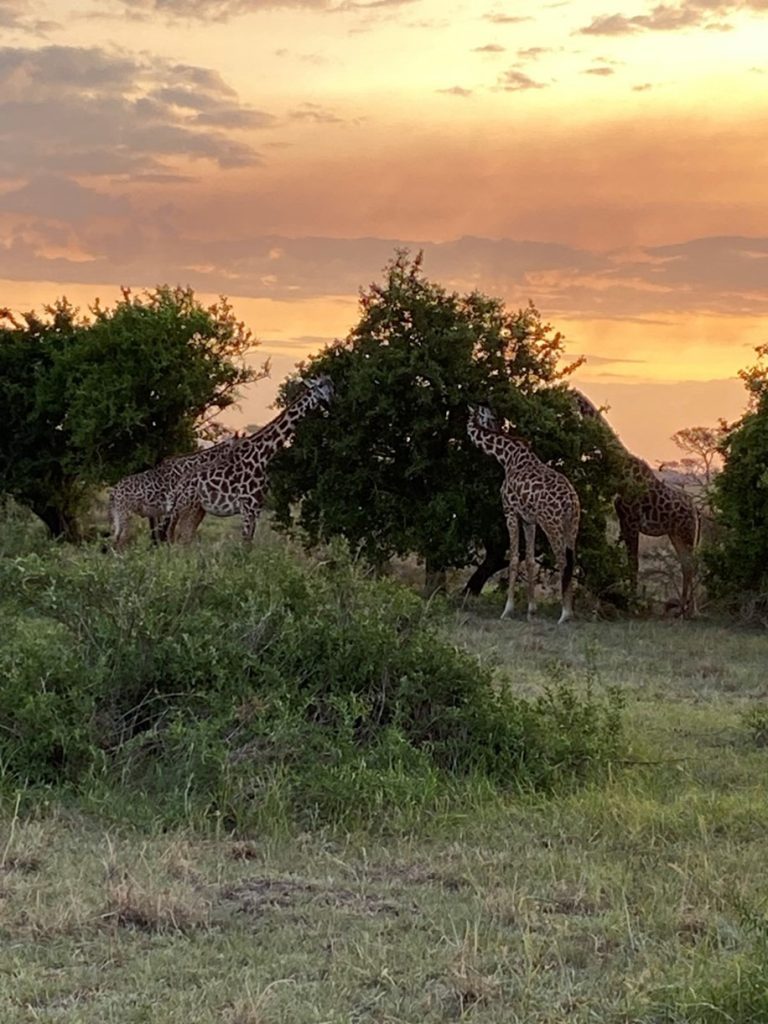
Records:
x=645, y=504
x=146, y=494
x=236, y=481
x=539, y=496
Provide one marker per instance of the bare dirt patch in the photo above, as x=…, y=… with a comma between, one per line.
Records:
x=255, y=895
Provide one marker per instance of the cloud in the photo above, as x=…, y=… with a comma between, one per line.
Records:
x=506, y=19
x=533, y=52
x=15, y=14
x=456, y=90
x=316, y=113
x=69, y=233
x=224, y=10
x=93, y=111
x=52, y=197
x=513, y=80
x=672, y=17
x=489, y=48
x=594, y=360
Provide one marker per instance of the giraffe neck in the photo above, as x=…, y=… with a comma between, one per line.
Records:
x=279, y=431
x=589, y=409
x=635, y=468
x=512, y=454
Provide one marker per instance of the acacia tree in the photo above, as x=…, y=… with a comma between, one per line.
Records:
x=703, y=444
x=88, y=399
x=391, y=468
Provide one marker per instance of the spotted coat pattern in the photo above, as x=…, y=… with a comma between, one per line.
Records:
x=236, y=482
x=147, y=493
x=647, y=505
x=537, y=495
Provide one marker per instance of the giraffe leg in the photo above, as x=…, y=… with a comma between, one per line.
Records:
x=120, y=528
x=248, y=515
x=566, y=585
x=155, y=529
x=514, y=559
x=529, y=533
x=183, y=523
x=631, y=538
x=684, y=553
x=564, y=558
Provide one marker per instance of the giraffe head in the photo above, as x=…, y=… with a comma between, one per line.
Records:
x=320, y=388
x=481, y=416
x=583, y=404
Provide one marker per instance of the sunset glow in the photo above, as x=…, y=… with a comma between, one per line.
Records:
x=607, y=162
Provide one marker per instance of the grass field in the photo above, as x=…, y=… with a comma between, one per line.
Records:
x=641, y=899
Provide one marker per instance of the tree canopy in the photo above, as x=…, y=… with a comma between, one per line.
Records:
x=392, y=469
x=737, y=562
x=703, y=444
x=89, y=399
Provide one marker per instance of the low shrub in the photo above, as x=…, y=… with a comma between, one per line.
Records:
x=258, y=687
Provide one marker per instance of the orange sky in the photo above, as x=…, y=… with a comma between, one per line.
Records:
x=606, y=161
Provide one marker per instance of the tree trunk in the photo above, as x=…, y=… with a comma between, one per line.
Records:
x=61, y=524
x=494, y=561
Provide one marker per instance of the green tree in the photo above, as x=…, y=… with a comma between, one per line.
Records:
x=392, y=469
x=88, y=399
x=737, y=561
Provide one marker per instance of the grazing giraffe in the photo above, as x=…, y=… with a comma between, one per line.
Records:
x=540, y=496
x=651, y=506
x=236, y=481
x=146, y=494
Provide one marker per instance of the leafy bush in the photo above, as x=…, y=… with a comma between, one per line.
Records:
x=737, y=561
x=259, y=687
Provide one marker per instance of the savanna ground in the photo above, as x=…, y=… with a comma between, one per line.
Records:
x=638, y=899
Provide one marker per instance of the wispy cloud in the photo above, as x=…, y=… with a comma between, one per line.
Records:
x=533, y=52
x=456, y=90
x=513, y=80
x=16, y=14
x=224, y=10
x=499, y=18
x=673, y=17
x=316, y=113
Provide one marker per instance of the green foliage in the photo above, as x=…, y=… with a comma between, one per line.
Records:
x=756, y=721
x=262, y=688
x=737, y=562
x=741, y=997
x=736, y=991
x=391, y=469
x=88, y=400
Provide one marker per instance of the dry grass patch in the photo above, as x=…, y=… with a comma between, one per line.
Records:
x=623, y=903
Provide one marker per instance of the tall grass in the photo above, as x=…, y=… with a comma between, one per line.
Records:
x=250, y=688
